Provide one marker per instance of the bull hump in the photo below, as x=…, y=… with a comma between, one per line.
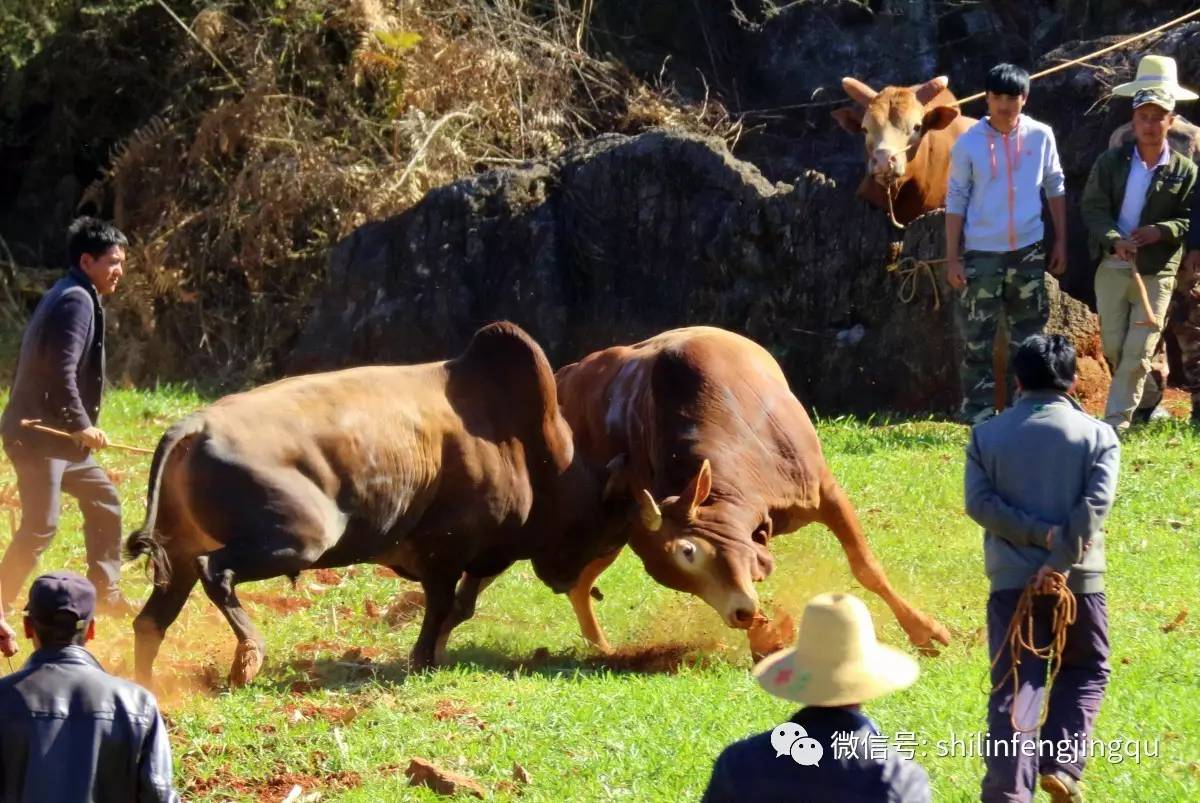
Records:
x=503, y=355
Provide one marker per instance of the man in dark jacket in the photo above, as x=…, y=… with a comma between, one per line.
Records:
x=69, y=731
x=829, y=751
x=60, y=381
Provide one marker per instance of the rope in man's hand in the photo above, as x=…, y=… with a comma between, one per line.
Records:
x=1020, y=639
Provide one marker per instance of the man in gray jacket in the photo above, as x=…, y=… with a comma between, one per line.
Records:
x=69, y=731
x=1040, y=480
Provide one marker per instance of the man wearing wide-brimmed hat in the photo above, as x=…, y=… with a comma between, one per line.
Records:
x=1136, y=206
x=829, y=750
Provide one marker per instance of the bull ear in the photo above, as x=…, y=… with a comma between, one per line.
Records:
x=617, y=478
x=931, y=88
x=849, y=118
x=651, y=516
x=858, y=91
x=938, y=118
x=700, y=487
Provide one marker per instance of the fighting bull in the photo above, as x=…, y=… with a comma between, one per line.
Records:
x=446, y=472
x=721, y=456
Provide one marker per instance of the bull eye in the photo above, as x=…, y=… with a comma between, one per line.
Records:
x=917, y=128
x=688, y=550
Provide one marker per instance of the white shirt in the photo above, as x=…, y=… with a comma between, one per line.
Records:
x=1140, y=176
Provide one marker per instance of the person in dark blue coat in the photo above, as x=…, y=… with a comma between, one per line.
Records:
x=60, y=381
x=829, y=751
x=69, y=731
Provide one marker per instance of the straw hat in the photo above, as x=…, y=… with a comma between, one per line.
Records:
x=836, y=660
x=1155, y=72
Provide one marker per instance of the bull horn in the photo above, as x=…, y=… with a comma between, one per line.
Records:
x=651, y=516
x=930, y=89
x=858, y=91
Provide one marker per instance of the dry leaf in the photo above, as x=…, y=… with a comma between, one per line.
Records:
x=424, y=773
x=1179, y=619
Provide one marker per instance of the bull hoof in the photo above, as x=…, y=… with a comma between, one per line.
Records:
x=247, y=661
x=422, y=660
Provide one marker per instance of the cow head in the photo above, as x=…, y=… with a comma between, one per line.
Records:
x=893, y=121
x=690, y=544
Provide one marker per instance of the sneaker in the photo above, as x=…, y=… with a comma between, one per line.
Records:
x=1061, y=787
x=1159, y=413
x=115, y=607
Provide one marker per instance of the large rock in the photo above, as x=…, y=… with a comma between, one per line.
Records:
x=624, y=237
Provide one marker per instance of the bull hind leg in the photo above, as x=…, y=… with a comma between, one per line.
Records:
x=581, y=596
x=159, y=613
x=222, y=569
x=469, y=589
x=838, y=515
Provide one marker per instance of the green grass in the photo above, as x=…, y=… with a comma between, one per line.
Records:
x=524, y=689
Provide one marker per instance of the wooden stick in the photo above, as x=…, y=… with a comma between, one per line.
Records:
x=35, y=423
x=1151, y=321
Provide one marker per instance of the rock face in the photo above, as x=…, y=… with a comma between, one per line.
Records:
x=624, y=237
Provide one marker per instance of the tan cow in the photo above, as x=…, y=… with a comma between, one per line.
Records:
x=722, y=457
x=908, y=133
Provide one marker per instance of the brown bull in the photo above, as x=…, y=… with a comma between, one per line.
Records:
x=446, y=472
x=722, y=457
x=908, y=133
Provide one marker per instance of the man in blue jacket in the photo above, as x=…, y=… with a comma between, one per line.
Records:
x=59, y=381
x=829, y=751
x=1041, y=479
x=69, y=731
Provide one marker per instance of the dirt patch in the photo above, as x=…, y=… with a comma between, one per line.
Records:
x=462, y=714
x=274, y=789
x=275, y=603
x=1091, y=384
x=326, y=713
x=404, y=608
x=771, y=635
x=361, y=655
x=319, y=646
x=328, y=577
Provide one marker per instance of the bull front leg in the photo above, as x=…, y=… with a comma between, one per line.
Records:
x=439, y=607
x=581, y=600
x=838, y=515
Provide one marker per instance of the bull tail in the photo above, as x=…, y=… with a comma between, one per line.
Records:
x=143, y=541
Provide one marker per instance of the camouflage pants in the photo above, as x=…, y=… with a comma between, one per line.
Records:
x=1005, y=284
x=1183, y=327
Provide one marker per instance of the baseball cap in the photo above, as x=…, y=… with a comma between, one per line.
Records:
x=61, y=592
x=1158, y=97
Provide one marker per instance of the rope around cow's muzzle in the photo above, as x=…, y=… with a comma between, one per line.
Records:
x=1020, y=639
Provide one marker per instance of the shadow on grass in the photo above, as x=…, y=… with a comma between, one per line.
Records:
x=352, y=670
